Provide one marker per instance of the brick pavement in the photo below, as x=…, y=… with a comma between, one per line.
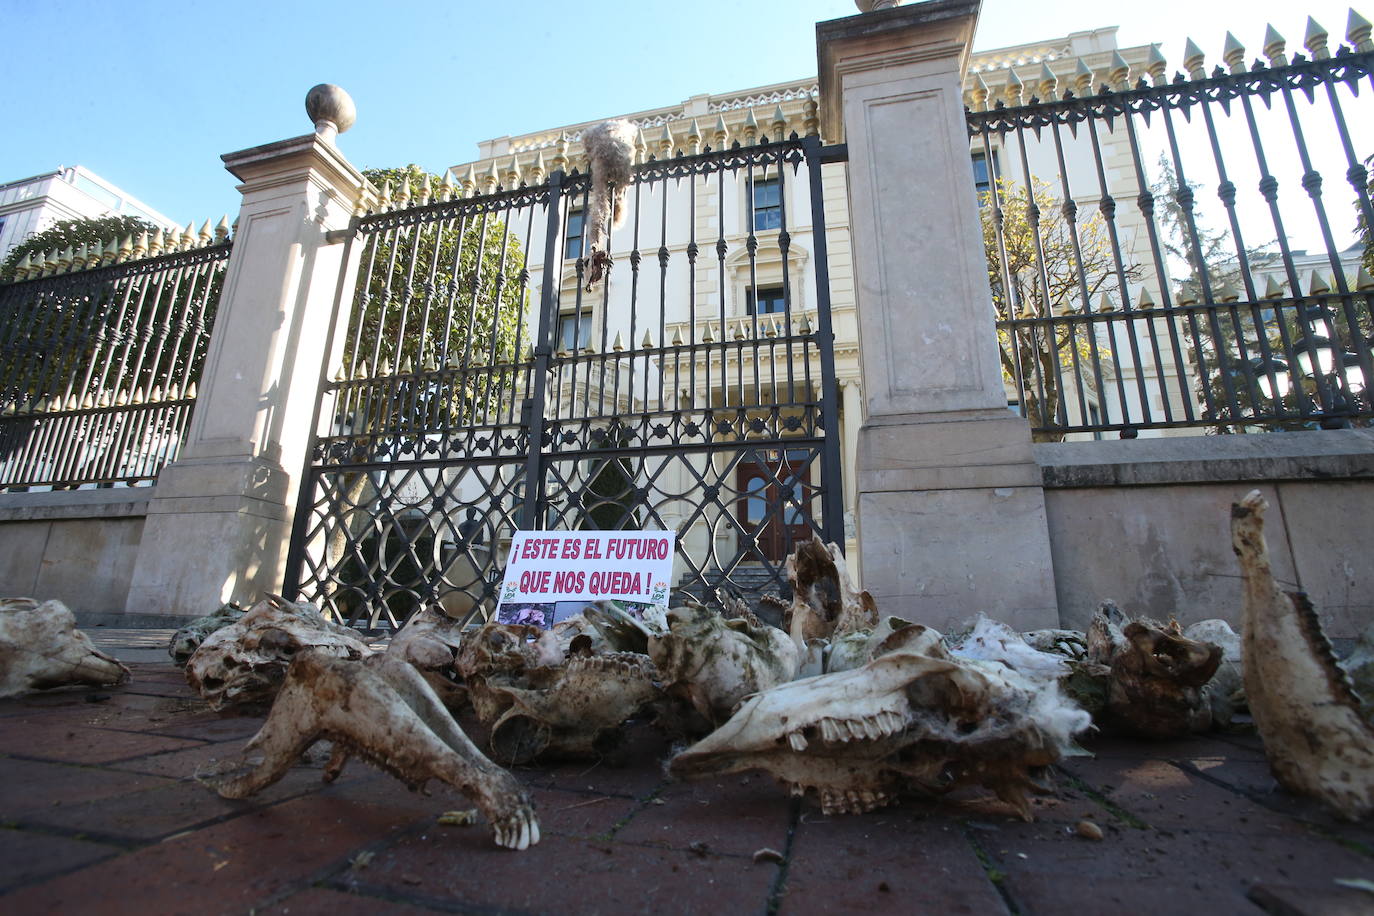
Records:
x=103, y=813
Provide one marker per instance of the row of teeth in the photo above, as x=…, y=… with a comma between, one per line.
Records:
x=632, y=667
x=870, y=728
x=848, y=801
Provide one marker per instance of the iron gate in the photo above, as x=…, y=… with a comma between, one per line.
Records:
x=486, y=382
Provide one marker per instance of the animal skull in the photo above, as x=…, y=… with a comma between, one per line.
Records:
x=243, y=664
x=714, y=663
x=381, y=709
x=41, y=648
x=579, y=714
x=825, y=604
x=187, y=640
x=914, y=718
x=1155, y=674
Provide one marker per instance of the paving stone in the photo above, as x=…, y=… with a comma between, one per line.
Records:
x=1239, y=747
x=733, y=815
x=27, y=856
x=462, y=869
x=1046, y=865
x=161, y=810
x=30, y=785
x=580, y=814
x=1279, y=900
x=1169, y=797
x=319, y=900
x=228, y=868
x=887, y=861
x=71, y=741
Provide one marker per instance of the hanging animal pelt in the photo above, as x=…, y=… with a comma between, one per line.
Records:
x=610, y=148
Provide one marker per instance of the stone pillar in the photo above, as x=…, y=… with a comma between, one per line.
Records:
x=220, y=517
x=951, y=509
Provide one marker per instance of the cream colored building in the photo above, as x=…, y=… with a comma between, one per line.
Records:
x=723, y=211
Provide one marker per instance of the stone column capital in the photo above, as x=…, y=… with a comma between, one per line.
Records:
x=886, y=38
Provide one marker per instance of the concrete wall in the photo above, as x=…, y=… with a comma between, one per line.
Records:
x=78, y=546
x=1147, y=523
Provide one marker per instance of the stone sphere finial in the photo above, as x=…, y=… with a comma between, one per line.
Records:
x=869, y=6
x=331, y=109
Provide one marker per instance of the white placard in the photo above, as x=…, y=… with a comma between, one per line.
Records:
x=550, y=575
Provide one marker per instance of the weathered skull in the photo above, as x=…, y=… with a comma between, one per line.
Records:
x=187, y=640
x=714, y=663
x=991, y=640
x=498, y=655
x=1225, y=692
x=381, y=709
x=825, y=604
x=40, y=648
x=579, y=714
x=430, y=641
x=914, y=718
x=243, y=664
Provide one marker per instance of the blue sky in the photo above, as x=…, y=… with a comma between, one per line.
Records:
x=149, y=94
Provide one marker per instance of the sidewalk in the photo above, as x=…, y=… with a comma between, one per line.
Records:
x=104, y=815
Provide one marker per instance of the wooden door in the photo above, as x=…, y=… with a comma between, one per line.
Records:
x=774, y=506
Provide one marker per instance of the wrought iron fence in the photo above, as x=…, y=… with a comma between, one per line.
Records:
x=497, y=375
x=1127, y=298
x=100, y=352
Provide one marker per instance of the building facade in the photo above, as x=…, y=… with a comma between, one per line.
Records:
x=30, y=205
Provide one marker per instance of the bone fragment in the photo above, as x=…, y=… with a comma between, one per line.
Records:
x=41, y=648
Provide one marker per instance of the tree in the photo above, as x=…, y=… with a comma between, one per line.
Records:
x=1212, y=270
x=442, y=303
x=442, y=295
x=1035, y=356
x=73, y=233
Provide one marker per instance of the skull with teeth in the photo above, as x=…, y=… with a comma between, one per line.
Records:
x=914, y=718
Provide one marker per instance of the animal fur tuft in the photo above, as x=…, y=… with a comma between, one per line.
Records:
x=610, y=148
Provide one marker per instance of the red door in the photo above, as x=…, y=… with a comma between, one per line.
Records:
x=774, y=505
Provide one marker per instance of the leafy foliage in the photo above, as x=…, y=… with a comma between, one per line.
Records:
x=1020, y=290
x=445, y=295
x=73, y=233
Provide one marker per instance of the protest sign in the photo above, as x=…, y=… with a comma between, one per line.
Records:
x=550, y=575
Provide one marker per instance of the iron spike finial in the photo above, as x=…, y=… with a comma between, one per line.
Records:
x=1357, y=30
x=1363, y=281
x=1049, y=83
x=207, y=234
x=1317, y=284
x=1014, y=88
x=980, y=93
x=1120, y=75
x=1233, y=53
x=1314, y=40
x=1194, y=61
x=779, y=123
x=1272, y=288
x=1274, y=45
x=1082, y=78
x=222, y=228
x=1157, y=66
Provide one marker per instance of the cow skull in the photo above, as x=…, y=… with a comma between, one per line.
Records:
x=41, y=648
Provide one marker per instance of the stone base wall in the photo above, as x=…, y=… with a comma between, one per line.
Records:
x=77, y=546
x=1147, y=523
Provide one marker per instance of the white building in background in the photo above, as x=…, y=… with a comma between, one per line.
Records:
x=30, y=205
x=733, y=208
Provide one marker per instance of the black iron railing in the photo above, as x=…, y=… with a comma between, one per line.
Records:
x=497, y=376
x=99, y=366
x=1128, y=299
